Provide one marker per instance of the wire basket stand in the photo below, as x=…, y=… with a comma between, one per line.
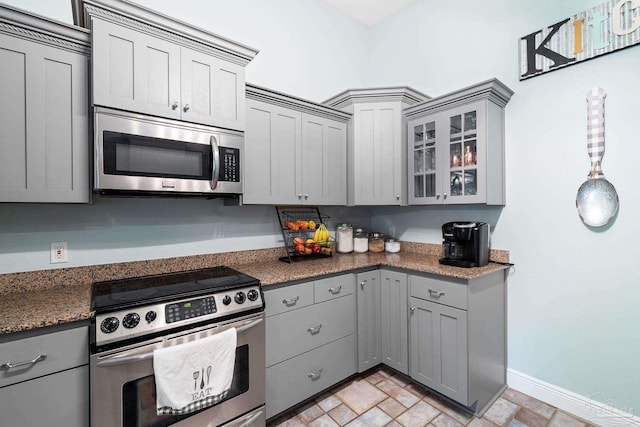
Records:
x=305, y=214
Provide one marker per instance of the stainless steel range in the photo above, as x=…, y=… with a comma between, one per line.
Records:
x=136, y=316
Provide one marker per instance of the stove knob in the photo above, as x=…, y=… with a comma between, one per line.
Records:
x=226, y=300
x=252, y=295
x=239, y=298
x=109, y=325
x=131, y=320
x=150, y=316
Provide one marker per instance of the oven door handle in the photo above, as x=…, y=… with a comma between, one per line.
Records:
x=133, y=356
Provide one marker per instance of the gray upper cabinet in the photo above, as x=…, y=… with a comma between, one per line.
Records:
x=147, y=63
x=394, y=322
x=44, y=117
x=377, y=167
x=295, y=151
x=456, y=147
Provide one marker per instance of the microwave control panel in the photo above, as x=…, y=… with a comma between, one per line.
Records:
x=229, y=164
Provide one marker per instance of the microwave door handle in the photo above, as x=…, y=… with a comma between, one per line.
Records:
x=215, y=162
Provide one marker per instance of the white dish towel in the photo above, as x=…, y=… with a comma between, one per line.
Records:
x=195, y=374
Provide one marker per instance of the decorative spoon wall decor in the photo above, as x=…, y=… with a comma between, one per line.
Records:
x=597, y=199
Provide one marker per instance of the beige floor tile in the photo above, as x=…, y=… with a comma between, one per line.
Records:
x=528, y=402
x=309, y=412
x=562, y=419
x=323, y=421
x=418, y=415
x=403, y=396
x=501, y=412
x=444, y=420
x=448, y=408
x=342, y=414
x=392, y=407
x=479, y=422
x=290, y=422
x=376, y=377
x=531, y=419
x=372, y=418
x=393, y=423
x=419, y=391
x=328, y=401
x=361, y=396
x=401, y=380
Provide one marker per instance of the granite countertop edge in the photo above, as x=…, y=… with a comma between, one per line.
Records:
x=66, y=304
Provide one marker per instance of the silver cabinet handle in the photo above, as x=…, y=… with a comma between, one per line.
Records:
x=186, y=108
x=445, y=195
x=335, y=290
x=300, y=196
x=314, y=329
x=362, y=284
x=290, y=301
x=397, y=197
x=412, y=309
x=315, y=375
x=9, y=365
x=438, y=196
x=306, y=196
x=174, y=105
x=436, y=294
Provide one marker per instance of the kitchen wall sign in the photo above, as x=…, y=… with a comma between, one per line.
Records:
x=603, y=29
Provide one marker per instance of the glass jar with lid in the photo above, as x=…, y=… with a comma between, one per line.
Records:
x=344, y=234
x=360, y=240
x=376, y=242
x=391, y=245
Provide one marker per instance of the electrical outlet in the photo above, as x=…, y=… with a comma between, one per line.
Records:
x=59, y=252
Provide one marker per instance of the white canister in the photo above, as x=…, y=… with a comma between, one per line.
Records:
x=391, y=245
x=360, y=240
x=344, y=235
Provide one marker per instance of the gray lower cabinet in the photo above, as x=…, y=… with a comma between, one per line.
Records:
x=394, y=321
x=48, y=384
x=368, y=298
x=44, y=142
x=310, y=339
x=458, y=336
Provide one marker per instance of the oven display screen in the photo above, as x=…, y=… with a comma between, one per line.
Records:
x=189, y=309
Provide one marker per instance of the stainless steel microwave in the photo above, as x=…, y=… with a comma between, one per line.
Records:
x=138, y=154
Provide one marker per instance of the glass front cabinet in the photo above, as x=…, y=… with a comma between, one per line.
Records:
x=456, y=147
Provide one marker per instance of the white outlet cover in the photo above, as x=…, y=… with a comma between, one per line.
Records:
x=59, y=252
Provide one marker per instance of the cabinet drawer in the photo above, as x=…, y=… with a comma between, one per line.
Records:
x=333, y=287
x=293, y=333
x=448, y=293
x=288, y=298
x=64, y=350
x=294, y=380
x=58, y=400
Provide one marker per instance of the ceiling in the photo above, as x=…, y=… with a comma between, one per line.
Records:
x=369, y=12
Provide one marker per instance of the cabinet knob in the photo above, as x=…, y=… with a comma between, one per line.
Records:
x=397, y=197
x=362, y=284
x=306, y=196
x=299, y=196
x=412, y=309
x=174, y=105
x=315, y=375
x=437, y=195
x=186, y=108
x=445, y=195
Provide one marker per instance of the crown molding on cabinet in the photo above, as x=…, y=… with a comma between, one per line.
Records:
x=287, y=101
x=158, y=25
x=43, y=30
x=404, y=94
x=493, y=90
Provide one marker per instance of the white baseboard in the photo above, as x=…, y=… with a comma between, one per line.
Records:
x=608, y=414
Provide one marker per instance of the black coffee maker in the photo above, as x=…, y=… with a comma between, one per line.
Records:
x=465, y=244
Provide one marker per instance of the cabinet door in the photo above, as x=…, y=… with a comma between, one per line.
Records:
x=439, y=348
x=212, y=90
x=272, y=155
x=394, y=322
x=324, y=161
x=425, y=178
x=57, y=400
x=463, y=144
x=44, y=122
x=368, y=307
x=378, y=146
x=134, y=71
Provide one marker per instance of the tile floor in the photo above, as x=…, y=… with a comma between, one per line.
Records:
x=381, y=397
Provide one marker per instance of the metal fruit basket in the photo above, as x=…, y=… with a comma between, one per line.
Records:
x=294, y=214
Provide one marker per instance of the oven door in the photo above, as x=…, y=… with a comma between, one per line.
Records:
x=123, y=384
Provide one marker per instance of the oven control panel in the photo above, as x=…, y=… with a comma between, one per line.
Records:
x=138, y=321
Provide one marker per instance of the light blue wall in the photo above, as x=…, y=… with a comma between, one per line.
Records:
x=574, y=294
